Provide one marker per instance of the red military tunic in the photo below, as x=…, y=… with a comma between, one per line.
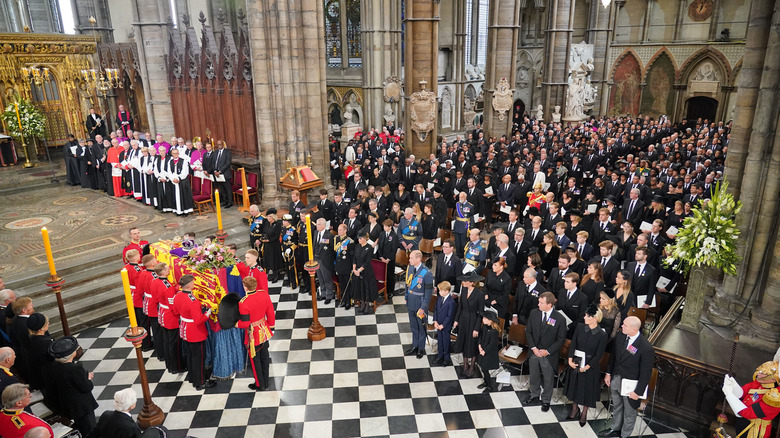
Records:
x=15, y=423
x=763, y=405
x=257, y=272
x=254, y=307
x=132, y=245
x=145, y=279
x=133, y=275
x=165, y=292
x=192, y=320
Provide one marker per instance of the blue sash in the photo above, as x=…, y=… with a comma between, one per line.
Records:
x=343, y=246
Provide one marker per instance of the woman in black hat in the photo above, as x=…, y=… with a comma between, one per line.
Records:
x=488, y=345
x=467, y=321
x=585, y=352
x=657, y=210
x=363, y=275
x=38, y=359
x=73, y=386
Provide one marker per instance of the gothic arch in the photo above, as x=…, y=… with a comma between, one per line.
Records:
x=625, y=90
x=735, y=73
x=627, y=52
x=690, y=65
x=661, y=52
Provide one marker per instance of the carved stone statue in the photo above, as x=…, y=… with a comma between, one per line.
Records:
x=502, y=98
x=349, y=110
x=540, y=112
x=556, y=115
x=468, y=113
x=388, y=116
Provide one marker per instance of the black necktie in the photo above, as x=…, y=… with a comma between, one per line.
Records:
x=517, y=247
x=638, y=269
x=580, y=250
x=603, y=261
x=544, y=318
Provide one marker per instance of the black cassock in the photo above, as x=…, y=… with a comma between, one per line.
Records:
x=97, y=178
x=71, y=163
x=161, y=188
x=82, y=155
x=180, y=194
x=127, y=176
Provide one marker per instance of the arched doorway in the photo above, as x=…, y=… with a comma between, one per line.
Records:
x=518, y=111
x=702, y=107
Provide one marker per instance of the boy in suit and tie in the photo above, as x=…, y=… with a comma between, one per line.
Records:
x=442, y=321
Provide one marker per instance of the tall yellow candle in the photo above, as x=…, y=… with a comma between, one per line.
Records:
x=128, y=298
x=308, y=237
x=18, y=117
x=49, y=256
x=219, y=209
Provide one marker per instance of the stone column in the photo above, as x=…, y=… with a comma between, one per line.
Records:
x=557, y=49
x=151, y=36
x=421, y=63
x=599, y=34
x=381, y=58
x=763, y=330
x=755, y=121
x=288, y=69
x=459, y=61
x=503, y=36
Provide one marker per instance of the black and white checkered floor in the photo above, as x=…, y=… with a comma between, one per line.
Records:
x=354, y=383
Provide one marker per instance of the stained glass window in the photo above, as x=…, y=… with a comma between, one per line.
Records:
x=333, y=32
x=469, y=33
x=482, y=31
x=353, y=33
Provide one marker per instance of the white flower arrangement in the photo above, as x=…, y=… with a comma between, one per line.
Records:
x=709, y=237
x=33, y=121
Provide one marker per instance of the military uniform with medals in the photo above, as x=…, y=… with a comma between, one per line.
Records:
x=289, y=245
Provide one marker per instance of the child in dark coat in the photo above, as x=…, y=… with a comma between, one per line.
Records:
x=442, y=321
x=488, y=347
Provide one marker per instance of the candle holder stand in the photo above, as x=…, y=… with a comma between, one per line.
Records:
x=221, y=236
x=151, y=414
x=316, y=330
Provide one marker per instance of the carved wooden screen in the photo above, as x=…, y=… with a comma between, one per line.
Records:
x=211, y=86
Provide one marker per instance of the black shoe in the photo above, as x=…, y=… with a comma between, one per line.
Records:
x=327, y=301
x=437, y=361
x=545, y=407
x=487, y=390
x=583, y=422
x=254, y=387
x=609, y=432
x=347, y=306
x=531, y=401
x=481, y=385
x=410, y=351
x=446, y=363
x=210, y=383
x=420, y=354
x=574, y=415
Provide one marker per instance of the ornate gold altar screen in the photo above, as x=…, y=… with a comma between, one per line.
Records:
x=65, y=98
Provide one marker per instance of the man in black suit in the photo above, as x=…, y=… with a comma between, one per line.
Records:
x=352, y=223
x=507, y=193
x=633, y=359
x=634, y=209
x=601, y=228
x=340, y=209
x=655, y=239
x=546, y=333
x=534, y=234
x=448, y=265
x=119, y=422
x=222, y=159
x=614, y=187
x=326, y=206
x=609, y=265
x=474, y=196
x=526, y=296
x=409, y=173
x=555, y=279
x=95, y=124
x=388, y=246
x=502, y=251
x=572, y=302
x=513, y=223
x=324, y=252
x=643, y=277
x=295, y=206
x=521, y=248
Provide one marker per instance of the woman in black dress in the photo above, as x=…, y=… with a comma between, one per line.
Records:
x=372, y=229
x=676, y=216
x=625, y=239
x=549, y=252
x=488, y=346
x=363, y=275
x=624, y=298
x=610, y=317
x=593, y=282
x=498, y=287
x=429, y=229
x=467, y=321
x=38, y=358
x=587, y=347
x=396, y=213
x=401, y=196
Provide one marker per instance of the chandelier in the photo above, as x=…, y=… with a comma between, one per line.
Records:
x=37, y=75
x=102, y=80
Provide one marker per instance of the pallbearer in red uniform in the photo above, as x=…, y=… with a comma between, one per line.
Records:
x=256, y=315
x=192, y=330
x=168, y=320
x=149, y=306
x=250, y=268
x=135, y=243
x=134, y=270
x=756, y=403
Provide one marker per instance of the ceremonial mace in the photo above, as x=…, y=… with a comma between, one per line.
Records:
x=316, y=330
x=151, y=414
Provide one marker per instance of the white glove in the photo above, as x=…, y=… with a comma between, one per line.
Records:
x=736, y=389
x=288, y=251
x=735, y=403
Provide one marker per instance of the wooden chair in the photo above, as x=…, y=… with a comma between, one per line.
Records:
x=516, y=336
x=426, y=247
x=380, y=274
x=337, y=286
x=639, y=313
x=251, y=187
x=443, y=234
x=204, y=200
x=650, y=401
x=401, y=262
x=431, y=308
x=196, y=183
x=563, y=364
